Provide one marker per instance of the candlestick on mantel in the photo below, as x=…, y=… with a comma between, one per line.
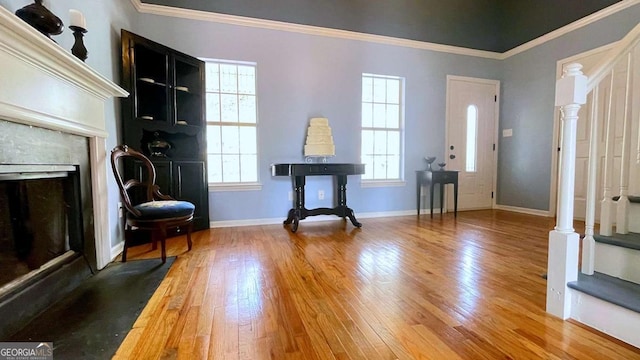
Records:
x=79, y=26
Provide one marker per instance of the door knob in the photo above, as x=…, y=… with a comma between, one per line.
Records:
x=452, y=156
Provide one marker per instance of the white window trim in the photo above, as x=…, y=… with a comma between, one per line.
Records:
x=248, y=186
x=382, y=183
x=222, y=187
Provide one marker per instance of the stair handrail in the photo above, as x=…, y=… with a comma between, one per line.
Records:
x=615, y=54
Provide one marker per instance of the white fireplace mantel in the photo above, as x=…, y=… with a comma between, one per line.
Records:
x=43, y=85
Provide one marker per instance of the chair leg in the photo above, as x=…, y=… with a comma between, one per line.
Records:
x=163, y=247
x=124, y=252
x=189, y=244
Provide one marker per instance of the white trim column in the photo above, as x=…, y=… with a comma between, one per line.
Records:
x=562, y=265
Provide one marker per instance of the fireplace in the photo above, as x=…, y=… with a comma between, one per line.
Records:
x=54, y=222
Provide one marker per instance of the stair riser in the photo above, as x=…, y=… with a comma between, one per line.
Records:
x=634, y=217
x=617, y=261
x=611, y=319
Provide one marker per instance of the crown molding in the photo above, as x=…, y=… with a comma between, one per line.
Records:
x=608, y=11
x=162, y=10
x=306, y=29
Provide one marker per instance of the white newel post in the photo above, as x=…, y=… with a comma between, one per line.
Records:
x=562, y=265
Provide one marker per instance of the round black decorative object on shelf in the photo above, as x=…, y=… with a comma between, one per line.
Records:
x=41, y=19
x=158, y=147
x=442, y=165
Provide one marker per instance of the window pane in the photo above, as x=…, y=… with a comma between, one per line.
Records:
x=393, y=143
x=379, y=167
x=231, y=98
x=248, y=168
x=367, y=143
x=379, y=115
x=393, y=116
x=247, y=108
x=367, y=89
x=379, y=90
x=214, y=163
x=214, y=144
x=472, y=133
x=393, y=167
x=367, y=115
x=229, y=108
x=230, y=140
x=380, y=143
x=393, y=91
x=246, y=80
x=231, y=168
x=228, y=78
x=248, y=140
x=213, y=107
x=212, y=77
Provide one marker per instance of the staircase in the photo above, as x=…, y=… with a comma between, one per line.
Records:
x=605, y=292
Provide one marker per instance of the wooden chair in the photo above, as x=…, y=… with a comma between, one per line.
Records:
x=150, y=218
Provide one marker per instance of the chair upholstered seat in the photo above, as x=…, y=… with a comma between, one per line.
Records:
x=163, y=209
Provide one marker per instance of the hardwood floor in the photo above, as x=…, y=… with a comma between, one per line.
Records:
x=398, y=288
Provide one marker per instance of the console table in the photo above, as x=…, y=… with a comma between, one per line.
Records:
x=299, y=172
x=442, y=177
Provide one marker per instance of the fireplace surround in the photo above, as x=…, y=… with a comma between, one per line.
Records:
x=52, y=115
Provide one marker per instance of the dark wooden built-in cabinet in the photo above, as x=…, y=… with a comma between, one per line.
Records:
x=164, y=119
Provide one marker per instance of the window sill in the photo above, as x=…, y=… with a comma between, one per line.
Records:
x=235, y=187
x=381, y=183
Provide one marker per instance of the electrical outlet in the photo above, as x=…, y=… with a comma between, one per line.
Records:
x=320, y=194
x=290, y=195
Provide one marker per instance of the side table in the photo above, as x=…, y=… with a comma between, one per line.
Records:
x=442, y=177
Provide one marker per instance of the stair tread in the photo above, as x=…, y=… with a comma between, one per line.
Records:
x=614, y=290
x=632, y=198
x=630, y=240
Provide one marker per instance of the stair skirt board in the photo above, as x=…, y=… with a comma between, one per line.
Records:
x=604, y=316
x=617, y=261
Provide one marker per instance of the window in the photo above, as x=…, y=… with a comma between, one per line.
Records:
x=382, y=113
x=472, y=138
x=232, y=151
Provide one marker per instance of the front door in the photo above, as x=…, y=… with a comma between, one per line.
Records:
x=471, y=125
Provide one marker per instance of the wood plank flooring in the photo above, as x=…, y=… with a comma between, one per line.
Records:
x=398, y=288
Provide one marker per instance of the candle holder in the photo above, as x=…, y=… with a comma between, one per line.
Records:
x=78, y=48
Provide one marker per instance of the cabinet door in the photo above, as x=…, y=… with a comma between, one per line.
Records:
x=188, y=90
x=190, y=184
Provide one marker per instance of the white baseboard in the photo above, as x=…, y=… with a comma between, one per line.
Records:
x=117, y=250
x=279, y=220
x=535, y=212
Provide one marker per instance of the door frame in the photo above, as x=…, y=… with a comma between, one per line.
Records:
x=496, y=123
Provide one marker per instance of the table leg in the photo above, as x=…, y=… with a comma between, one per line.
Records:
x=431, y=197
x=418, y=192
x=441, y=197
x=455, y=199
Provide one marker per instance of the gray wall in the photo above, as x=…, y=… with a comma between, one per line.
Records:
x=302, y=76
x=528, y=90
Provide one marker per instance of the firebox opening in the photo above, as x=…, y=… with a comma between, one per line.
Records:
x=40, y=221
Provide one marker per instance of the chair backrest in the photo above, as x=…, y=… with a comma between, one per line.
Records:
x=147, y=180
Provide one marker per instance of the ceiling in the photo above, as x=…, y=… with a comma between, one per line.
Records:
x=492, y=25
